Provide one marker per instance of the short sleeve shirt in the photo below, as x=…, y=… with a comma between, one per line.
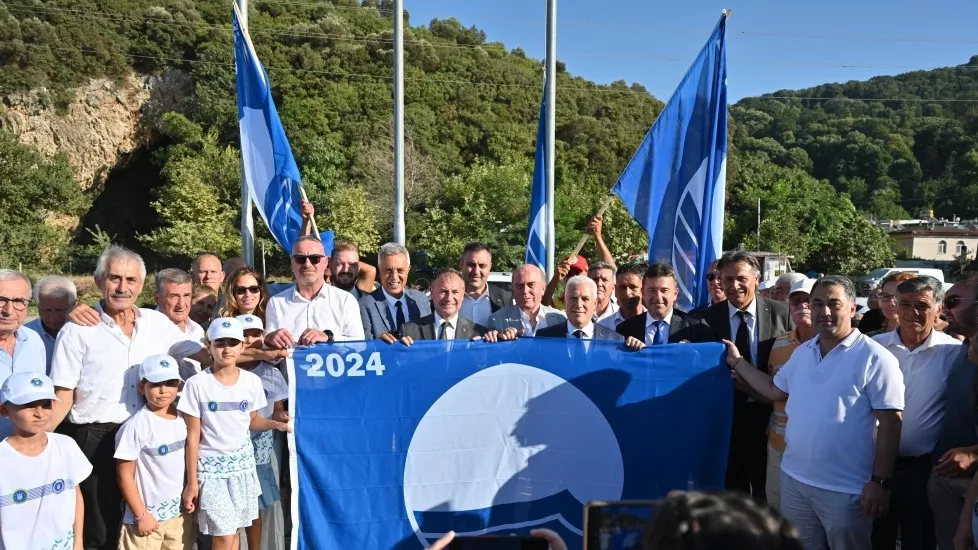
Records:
x=157, y=445
x=37, y=494
x=224, y=411
x=276, y=389
x=29, y=356
x=332, y=309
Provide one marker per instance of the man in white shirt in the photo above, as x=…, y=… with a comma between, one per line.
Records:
x=528, y=315
x=387, y=308
x=55, y=296
x=839, y=386
x=95, y=371
x=21, y=349
x=628, y=291
x=926, y=357
x=174, y=288
x=481, y=299
x=311, y=311
x=603, y=275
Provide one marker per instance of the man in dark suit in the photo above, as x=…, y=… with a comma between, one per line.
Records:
x=481, y=299
x=445, y=323
x=752, y=323
x=393, y=304
x=581, y=299
x=660, y=323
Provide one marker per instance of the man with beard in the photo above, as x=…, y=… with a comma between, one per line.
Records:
x=311, y=311
x=348, y=273
x=628, y=292
x=481, y=299
x=961, y=308
x=660, y=322
x=393, y=304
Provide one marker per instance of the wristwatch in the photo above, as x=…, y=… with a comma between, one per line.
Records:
x=884, y=482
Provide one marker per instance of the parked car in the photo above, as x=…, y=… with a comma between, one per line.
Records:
x=866, y=284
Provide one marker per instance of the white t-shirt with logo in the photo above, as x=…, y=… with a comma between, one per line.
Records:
x=157, y=445
x=276, y=389
x=224, y=411
x=37, y=494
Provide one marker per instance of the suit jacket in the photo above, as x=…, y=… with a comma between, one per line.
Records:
x=773, y=320
x=560, y=331
x=377, y=318
x=510, y=316
x=682, y=326
x=499, y=298
x=424, y=329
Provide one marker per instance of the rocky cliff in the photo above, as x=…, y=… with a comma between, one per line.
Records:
x=104, y=124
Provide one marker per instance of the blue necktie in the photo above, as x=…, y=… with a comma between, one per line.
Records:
x=661, y=331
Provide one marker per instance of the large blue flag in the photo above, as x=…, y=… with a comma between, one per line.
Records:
x=540, y=226
x=266, y=156
x=394, y=446
x=674, y=185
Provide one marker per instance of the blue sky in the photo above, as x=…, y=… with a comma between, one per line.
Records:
x=772, y=45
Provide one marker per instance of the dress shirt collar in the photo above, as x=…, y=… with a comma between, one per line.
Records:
x=107, y=319
x=392, y=300
x=452, y=321
x=892, y=338
x=588, y=330
x=751, y=308
x=846, y=342
x=650, y=321
x=298, y=298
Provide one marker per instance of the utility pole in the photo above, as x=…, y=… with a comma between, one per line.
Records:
x=399, y=227
x=551, y=91
x=247, y=218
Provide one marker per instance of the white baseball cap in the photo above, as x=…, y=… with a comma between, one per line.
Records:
x=159, y=368
x=250, y=322
x=768, y=284
x=804, y=285
x=225, y=327
x=21, y=388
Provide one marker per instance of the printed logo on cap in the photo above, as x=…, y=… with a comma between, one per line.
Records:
x=226, y=324
x=249, y=319
x=164, y=363
x=212, y=406
x=36, y=382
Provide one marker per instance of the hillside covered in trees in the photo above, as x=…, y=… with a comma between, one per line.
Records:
x=471, y=113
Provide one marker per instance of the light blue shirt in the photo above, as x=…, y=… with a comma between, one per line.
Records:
x=29, y=355
x=48, y=340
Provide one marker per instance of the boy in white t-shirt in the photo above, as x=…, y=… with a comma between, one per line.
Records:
x=266, y=532
x=40, y=501
x=151, y=462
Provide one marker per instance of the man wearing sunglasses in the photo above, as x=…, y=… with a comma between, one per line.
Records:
x=21, y=349
x=311, y=311
x=961, y=308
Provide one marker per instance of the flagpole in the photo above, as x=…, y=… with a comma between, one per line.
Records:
x=399, y=228
x=247, y=217
x=551, y=92
x=312, y=219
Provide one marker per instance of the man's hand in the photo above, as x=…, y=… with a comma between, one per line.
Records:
x=634, y=343
x=564, y=268
x=492, y=337
x=956, y=463
x=442, y=543
x=311, y=336
x=509, y=334
x=875, y=500
x=307, y=210
x=407, y=341
x=595, y=226
x=84, y=315
x=388, y=337
x=279, y=339
x=147, y=525
x=733, y=354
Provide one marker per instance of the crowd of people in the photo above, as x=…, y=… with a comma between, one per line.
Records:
x=161, y=428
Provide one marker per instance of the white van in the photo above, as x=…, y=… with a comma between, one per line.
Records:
x=865, y=285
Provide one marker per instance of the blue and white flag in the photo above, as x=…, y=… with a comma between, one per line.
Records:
x=394, y=446
x=674, y=185
x=540, y=226
x=266, y=156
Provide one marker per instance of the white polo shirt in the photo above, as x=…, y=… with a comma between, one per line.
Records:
x=478, y=310
x=101, y=363
x=332, y=309
x=831, y=438
x=925, y=371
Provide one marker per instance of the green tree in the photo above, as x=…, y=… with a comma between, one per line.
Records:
x=858, y=249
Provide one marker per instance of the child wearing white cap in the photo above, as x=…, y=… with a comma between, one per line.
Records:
x=220, y=406
x=151, y=462
x=40, y=501
x=276, y=392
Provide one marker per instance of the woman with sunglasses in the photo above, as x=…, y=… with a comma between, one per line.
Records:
x=245, y=293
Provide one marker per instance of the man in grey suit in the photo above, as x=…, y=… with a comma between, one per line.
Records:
x=528, y=315
x=392, y=305
x=581, y=299
x=752, y=323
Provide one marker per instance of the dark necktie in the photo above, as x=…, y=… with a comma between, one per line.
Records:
x=399, y=316
x=743, y=337
x=443, y=331
x=578, y=333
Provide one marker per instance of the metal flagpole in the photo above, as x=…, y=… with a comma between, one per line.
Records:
x=399, y=228
x=247, y=218
x=551, y=90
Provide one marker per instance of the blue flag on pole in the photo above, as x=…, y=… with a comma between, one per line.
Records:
x=674, y=185
x=266, y=156
x=394, y=446
x=536, y=236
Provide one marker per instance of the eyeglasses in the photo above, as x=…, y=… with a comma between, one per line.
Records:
x=239, y=290
x=712, y=276
x=952, y=302
x=889, y=298
x=314, y=259
x=20, y=304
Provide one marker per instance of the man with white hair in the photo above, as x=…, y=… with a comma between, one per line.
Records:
x=55, y=296
x=580, y=299
x=782, y=287
x=95, y=370
x=393, y=304
x=21, y=349
x=527, y=315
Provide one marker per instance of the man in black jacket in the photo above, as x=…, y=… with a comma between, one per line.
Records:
x=581, y=298
x=661, y=323
x=445, y=322
x=752, y=323
x=481, y=299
